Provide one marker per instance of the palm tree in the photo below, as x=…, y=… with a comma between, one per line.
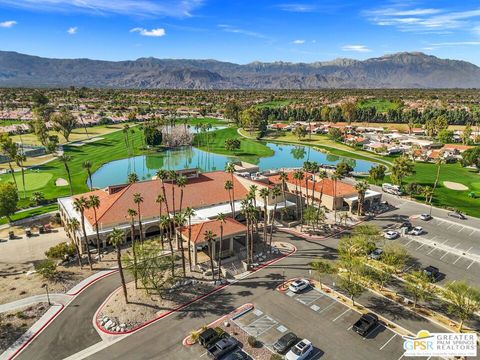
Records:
x=230, y=168
x=127, y=142
x=180, y=222
x=314, y=170
x=283, y=178
x=132, y=213
x=181, y=183
x=439, y=163
x=306, y=169
x=138, y=199
x=220, y=217
x=9, y=149
x=116, y=237
x=72, y=228
x=189, y=212
x=335, y=177
x=132, y=178
x=65, y=159
x=427, y=191
x=87, y=165
x=264, y=194
x=160, y=200
x=361, y=187
x=253, y=192
x=210, y=238
x=79, y=205
x=245, y=208
x=20, y=159
x=93, y=202
x=229, y=186
x=172, y=174
x=165, y=223
x=163, y=175
x=299, y=176
x=276, y=192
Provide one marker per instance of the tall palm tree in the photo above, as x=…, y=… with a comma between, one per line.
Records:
x=306, y=169
x=9, y=149
x=116, y=237
x=72, y=227
x=253, y=194
x=127, y=142
x=229, y=186
x=189, y=212
x=230, y=168
x=180, y=222
x=93, y=202
x=165, y=223
x=79, y=205
x=314, y=170
x=299, y=176
x=19, y=160
x=65, y=159
x=210, y=238
x=132, y=178
x=162, y=176
x=335, y=177
x=264, y=194
x=220, y=217
x=283, y=178
x=276, y=192
x=87, y=165
x=160, y=200
x=181, y=183
x=172, y=174
x=361, y=187
x=439, y=163
x=245, y=209
x=132, y=213
x=138, y=200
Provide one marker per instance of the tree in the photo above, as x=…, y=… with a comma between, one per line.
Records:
x=230, y=168
x=19, y=160
x=310, y=216
x=419, y=287
x=153, y=135
x=361, y=187
x=299, y=132
x=232, y=111
x=352, y=287
x=466, y=134
x=9, y=149
x=229, y=187
x=427, y=192
x=343, y=168
x=180, y=222
x=251, y=118
x=471, y=157
x=232, y=144
x=72, y=227
x=276, y=192
x=298, y=176
x=79, y=205
x=116, y=238
x=87, y=165
x=439, y=163
x=189, y=212
x=65, y=159
x=283, y=176
x=463, y=300
x=220, y=217
x=335, y=134
x=394, y=256
x=165, y=223
x=210, y=238
x=181, y=183
x=64, y=122
x=131, y=214
x=132, y=178
x=37, y=198
x=321, y=268
x=93, y=202
x=377, y=173
x=445, y=136
x=138, y=200
x=402, y=167
x=264, y=194
x=8, y=200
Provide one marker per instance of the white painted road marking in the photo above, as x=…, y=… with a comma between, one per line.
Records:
x=388, y=341
x=473, y=262
x=339, y=316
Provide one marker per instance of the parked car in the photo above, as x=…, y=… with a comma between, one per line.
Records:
x=299, y=285
x=417, y=230
x=375, y=254
x=457, y=215
x=425, y=217
x=432, y=272
x=238, y=354
x=285, y=343
x=222, y=347
x=407, y=225
x=365, y=324
x=390, y=235
x=11, y=235
x=28, y=232
x=300, y=351
x=210, y=336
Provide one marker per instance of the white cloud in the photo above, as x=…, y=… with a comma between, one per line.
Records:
x=235, y=30
x=174, y=8
x=300, y=8
x=457, y=43
x=356, y=48
x=73, y=30
x=8, y=24
x=159, y=32
x=299, y=42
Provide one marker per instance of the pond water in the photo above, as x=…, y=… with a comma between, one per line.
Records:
x=145, y=166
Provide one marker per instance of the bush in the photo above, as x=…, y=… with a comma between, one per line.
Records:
x=60, y=251
x=276, y=357
x=252, y=341
x=47, y=269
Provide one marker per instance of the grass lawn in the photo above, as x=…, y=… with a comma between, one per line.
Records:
x=274, y=104
x=250, y=150
x=10, y=122
x=381, y=105
x=33, y=180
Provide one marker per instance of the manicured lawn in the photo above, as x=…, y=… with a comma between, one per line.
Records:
x=33, y=180
x=250, y=150
x=31, y=212
x=274, y=104
x=381, y=105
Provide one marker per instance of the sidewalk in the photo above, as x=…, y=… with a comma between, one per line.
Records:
x=56, y=299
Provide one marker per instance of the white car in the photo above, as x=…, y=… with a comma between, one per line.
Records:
x=300, y=351
x=418, y=230
x=299, y=285
x=425, y=217
x=390, y=235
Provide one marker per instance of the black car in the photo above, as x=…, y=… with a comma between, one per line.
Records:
x=285, y=342
x=407, y=225
x=238, y=354
x=210, y=336
x=457, y=215
x=365, y=324
x=222, y=347
x=432, y=272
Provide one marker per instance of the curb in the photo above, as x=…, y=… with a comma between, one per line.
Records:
x=90, y=283
x=180, y=307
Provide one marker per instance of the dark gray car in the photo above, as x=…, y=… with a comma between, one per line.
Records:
x=285, y=342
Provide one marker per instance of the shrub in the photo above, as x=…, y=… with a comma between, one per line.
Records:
x=61, y=250
x=252, y=341
x=276, y=357
x=47, y=269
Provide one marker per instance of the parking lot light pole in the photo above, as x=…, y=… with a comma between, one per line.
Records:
x=284, y=279
x=48, y=295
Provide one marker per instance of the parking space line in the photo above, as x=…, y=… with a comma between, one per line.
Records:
x=371, y=331
x=446, y=253
x=350, y=328
x=422, y=245
x=457, y=260
x=463, y=227
x=409, y=242
x=473, y=262
x=451, y=226
x=329, y=306
x=456, y=245
x=401, y=356
x=444, y=242
x=388, y=341
x=468, y=251
x=433, y=249
x=474, y=231
x=339, y=316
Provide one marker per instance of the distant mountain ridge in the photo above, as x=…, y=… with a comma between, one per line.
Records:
x=401, y=70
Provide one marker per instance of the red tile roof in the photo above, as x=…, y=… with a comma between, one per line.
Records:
x=458, y=147
x=230, y=227
x=206, y=190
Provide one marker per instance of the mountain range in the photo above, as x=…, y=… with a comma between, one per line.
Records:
x=401, y=70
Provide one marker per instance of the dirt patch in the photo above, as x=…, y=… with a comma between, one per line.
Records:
x=61, y=182
x=455, y=186
x=14, y=324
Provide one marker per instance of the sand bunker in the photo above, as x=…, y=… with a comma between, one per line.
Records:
x=61, y=182
x=454, y=185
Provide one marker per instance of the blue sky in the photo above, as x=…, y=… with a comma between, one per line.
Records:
x=240, y=31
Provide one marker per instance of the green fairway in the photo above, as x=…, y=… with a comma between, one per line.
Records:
x=33, y=180
x=381, y=105
x=274, y=104
x=250, y=150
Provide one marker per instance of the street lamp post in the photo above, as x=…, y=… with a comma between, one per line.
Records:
x=48, y=295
